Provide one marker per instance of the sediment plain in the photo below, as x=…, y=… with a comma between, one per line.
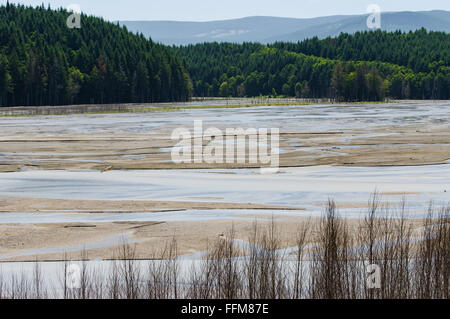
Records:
x=91, y=181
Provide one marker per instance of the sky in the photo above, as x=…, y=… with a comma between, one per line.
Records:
x=208, y=10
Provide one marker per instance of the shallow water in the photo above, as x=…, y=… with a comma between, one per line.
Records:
x=310, y=118
x=303, y=187
x=176, y=216
x=308, y=187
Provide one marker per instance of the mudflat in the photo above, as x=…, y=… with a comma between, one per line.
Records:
x=407, y=133
x=45, y=215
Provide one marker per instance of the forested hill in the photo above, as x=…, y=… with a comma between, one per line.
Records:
x=365, y=66
x=419, y=51
x=43, y=62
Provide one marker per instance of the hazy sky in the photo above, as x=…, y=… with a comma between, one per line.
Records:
x=206, y=10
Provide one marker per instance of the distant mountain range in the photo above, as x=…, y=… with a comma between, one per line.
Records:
x=271, y=29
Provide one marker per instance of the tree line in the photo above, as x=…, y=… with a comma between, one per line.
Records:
x=43, y=62
x=421, y=51
x=366, y=66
